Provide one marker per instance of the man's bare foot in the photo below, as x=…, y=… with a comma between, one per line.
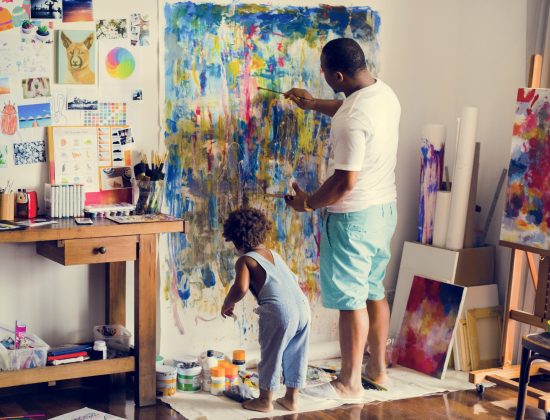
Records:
x=290, y=405
x=258, y=404
x=347, y=391
x=376, y=374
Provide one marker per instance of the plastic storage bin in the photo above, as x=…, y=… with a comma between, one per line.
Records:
x=117, y=338
x=25, y=358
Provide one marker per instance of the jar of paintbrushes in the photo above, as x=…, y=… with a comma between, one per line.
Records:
x=7, y=202
x=150, y=182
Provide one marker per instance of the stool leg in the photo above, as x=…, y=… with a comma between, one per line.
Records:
x=523, y=381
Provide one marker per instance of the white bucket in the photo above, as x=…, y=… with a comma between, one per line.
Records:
x=166, y=380
x=189, y=380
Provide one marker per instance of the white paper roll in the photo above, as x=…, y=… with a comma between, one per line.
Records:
x=462, y=178
x=441, y=219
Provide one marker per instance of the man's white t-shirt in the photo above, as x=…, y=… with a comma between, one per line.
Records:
x=363, y=137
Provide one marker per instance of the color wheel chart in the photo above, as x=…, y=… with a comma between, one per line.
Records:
x=120, y=63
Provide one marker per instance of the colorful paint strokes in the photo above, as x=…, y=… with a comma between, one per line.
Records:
x=29, y=152
x=76, y=57
x=230, y=143
x=46, y=9
x=34, y=115
x=432, y=152
x=431, y=316
x=78, y=11
x=527, y=207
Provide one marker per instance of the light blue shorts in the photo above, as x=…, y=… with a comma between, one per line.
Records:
x=355, y=251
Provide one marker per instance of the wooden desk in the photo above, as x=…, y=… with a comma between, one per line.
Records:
x=113, y=244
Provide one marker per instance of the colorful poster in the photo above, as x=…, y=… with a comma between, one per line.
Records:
x=230, y=143
x=431, y=317
x=527, y=202
x=76, y=63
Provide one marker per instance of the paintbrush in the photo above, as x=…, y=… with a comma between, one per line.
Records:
x=282, y=93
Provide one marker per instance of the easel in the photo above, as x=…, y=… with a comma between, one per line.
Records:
x=522, y=256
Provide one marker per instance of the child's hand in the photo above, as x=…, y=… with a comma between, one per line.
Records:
x=227, y=309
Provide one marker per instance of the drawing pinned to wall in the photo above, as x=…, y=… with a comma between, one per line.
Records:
x=120, y=63
x=527, y=202
x=114, y=178
x=108, y=113
x=4, y=85
x=29, y=152
x=34, y=58
x=76, y=57
x=9, y=119
x=111, y=29
x=46, y=9
x=36, y=87
x=20, y=15
x=82, y=99
x=4, y=154
x=139, y=29
x=35, y=115
x=431, y=317
x=6, y=19
x=228, y=145
x=78, y=11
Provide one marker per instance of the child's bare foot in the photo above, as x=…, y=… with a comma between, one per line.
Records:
x=376, y=374
x=288, y=403
x=258, y=404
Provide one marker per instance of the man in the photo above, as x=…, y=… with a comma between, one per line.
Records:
x=360, y=196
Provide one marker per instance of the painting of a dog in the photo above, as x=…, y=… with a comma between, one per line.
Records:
x=76, y=57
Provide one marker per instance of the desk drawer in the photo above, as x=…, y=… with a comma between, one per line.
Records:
x=89, y=251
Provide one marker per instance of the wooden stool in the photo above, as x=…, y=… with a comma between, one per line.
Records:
x=534, y=346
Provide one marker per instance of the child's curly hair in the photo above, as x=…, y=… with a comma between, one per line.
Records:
x=246, y=227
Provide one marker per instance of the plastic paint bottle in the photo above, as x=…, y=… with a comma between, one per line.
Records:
x=218, y=380
x=231, y=376
x=189, y=379
x=239, y=359
x=100, y=347
x=210, y=362
x=20, y=332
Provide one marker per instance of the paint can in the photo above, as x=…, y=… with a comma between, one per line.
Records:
x=189, y=379
x=166, y=380
x=188, y=362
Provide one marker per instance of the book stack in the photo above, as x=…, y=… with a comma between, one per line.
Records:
x=68, y=353
x=64, y=200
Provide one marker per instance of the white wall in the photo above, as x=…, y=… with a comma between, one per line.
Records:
x=437, y=55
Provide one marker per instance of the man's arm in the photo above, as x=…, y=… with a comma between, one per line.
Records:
x=305, y=100
x=239, y=288
x=332, y=190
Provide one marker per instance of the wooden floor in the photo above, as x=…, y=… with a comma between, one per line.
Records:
x=497, y=403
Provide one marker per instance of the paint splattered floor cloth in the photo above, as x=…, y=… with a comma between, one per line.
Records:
x=404, y=383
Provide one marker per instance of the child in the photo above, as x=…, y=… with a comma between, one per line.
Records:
x=283, y=308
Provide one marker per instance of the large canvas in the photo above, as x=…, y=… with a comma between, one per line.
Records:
x=230, y=143
x=527, y=208
x=431, y=316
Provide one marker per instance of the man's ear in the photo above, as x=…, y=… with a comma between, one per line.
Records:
x=339, y=76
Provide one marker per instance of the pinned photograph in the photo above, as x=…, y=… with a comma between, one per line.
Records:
x=78, y=11
x=82, y=100
x=46, y=9
x=76, y=57
x=137, y=95
x=36, y=87
x=122, y=136
x=35, y=115
x=4, y=85
x=139, y=29
x=113, y=178
x=29, y=152
x=37, y=31
x=111, y=29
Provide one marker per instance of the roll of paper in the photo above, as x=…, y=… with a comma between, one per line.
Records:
x=432, y=152
x=462, y=178
x=441, y=219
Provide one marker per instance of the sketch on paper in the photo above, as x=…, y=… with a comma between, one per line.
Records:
x=8, y=119
x=527, y=202
x=431, y=316
x=230, y=143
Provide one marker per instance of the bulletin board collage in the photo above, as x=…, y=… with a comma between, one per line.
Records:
x=66, y=79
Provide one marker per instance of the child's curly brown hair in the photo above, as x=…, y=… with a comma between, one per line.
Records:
x=246, y=227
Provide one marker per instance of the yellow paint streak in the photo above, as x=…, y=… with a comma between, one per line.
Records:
x=195, y=75
x=258, y=63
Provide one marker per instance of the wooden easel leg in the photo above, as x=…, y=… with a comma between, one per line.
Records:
x=145, y=319
x=523, y=382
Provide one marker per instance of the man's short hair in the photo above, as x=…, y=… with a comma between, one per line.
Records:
x=344, y=55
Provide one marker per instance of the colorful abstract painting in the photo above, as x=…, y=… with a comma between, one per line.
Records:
x=527, y=207
x=425, y=338
x=432, y=153
x=230, y=143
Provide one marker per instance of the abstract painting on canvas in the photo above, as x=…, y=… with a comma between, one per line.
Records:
x=527, y=202
x=429, y=323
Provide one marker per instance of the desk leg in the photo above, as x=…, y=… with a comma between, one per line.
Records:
x=145, y=319
x=115, y=307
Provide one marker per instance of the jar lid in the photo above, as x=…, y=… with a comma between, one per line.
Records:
x=100, y=345
x=217, y=371
x=239, y=354
x=231, y=370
